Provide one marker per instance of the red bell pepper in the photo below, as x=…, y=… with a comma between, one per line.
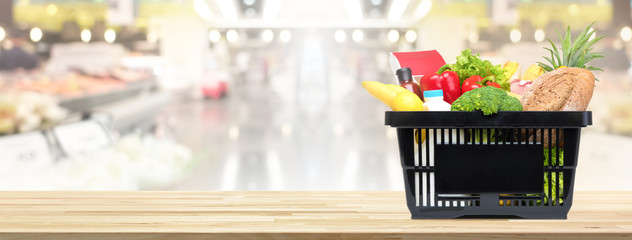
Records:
x=494, y=84
x=471, y=83
x=477, y=81
x=447, y=81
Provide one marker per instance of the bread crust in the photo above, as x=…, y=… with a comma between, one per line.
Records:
x=564, y=89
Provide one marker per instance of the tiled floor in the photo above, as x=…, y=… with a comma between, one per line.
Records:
x=311, y=136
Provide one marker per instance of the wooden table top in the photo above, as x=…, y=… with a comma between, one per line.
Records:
x=283, y=215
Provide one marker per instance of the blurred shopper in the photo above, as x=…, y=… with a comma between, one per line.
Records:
x=15, y=57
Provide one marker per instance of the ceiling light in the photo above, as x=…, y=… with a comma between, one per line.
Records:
x=515, y=36
x=393, y=36
x=271, y=9
x=202, y=9
x=86, y=35
x=423, y=9
x=573, y=9
x=397, y=9
x=228, y=9
x=267, y=35
x=626, y=34
x=354, y=9
x=214, y=36
x=36, y=34
x=340, y=36
x=109, y=36
x=285, y=36
x=411, y=36
x=539, y=35
x=357, y=35
x=232, y=36
x=51, y=9
x=3, y=34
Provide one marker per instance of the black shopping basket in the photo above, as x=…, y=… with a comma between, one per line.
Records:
x=506, y=165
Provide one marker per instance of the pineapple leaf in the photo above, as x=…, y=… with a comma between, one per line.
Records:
x=594, y=68
x=585, y=50
x=573, y=53
x=545, y=67
x=554, y=64
x=583, y=37
x=549, y=60
x=566, y=47
x=557, y=53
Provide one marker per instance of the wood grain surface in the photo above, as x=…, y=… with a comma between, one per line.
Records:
x=284, y=215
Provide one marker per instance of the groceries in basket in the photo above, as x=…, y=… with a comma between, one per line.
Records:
x=488, y=140
x=563, y=83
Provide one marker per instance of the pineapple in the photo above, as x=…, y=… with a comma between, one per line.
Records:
x=573, y=54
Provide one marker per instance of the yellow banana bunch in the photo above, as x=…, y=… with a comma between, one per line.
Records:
x=533, y=72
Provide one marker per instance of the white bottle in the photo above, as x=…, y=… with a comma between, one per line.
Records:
x=434, y=101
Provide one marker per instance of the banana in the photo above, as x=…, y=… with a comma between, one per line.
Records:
x=396, y=88
x=380, y=91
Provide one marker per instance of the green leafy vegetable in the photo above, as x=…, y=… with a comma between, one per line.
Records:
x=553, y=186
x=489, y=100
x=468, y=65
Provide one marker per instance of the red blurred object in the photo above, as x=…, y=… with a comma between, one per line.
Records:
x=215, y=86
x=520, y=86
x=421, y=63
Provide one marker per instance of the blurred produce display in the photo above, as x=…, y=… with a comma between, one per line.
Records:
x=71, y=85
x=22, y=111
x=135, y=162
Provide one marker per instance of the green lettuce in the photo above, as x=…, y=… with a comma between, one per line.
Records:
x=468, y=65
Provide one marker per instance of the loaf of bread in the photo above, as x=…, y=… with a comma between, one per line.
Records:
x=564, y=89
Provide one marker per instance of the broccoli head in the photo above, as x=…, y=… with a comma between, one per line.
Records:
x=489, y=100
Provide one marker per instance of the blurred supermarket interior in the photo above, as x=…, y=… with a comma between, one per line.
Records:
x=263, y=94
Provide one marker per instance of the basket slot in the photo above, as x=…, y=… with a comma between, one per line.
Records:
x=550, y=163
x=559, y=163
x=457, y=197
x=458, y=137
x=515, y=201
x=430, y=178
x=418, y=159
x=508, y=197
x=450, y=135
